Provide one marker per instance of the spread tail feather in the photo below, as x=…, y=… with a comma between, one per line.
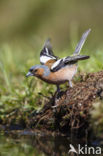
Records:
x=81, y=42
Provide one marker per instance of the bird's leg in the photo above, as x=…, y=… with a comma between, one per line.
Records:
x=56, y=93
x=55, y=97
x=58, y=89
x=70, y=84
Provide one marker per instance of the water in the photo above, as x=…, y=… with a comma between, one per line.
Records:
x=29, y=144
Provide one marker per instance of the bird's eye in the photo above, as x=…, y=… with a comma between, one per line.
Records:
x=36, y=70
x=30, y=70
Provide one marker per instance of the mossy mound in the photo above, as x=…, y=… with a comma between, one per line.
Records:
x=72, y=113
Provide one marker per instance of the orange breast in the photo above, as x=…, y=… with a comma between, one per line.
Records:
x=62, y=75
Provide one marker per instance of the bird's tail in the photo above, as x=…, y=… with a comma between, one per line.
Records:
x=74, y=59
x=81, y=42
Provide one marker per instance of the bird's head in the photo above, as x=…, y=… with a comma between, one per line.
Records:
x=38, y=71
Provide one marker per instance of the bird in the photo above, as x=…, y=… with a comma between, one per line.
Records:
x=55, y=70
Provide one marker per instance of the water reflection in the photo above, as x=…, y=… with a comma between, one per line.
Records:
x=32, y=145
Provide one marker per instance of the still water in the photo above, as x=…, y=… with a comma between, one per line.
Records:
x=29, y=144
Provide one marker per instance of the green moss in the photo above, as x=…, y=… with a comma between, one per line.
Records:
x=18, y=91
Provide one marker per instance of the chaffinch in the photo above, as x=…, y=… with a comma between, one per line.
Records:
x=57, y=71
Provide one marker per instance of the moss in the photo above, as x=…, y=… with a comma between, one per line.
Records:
x=78, y=109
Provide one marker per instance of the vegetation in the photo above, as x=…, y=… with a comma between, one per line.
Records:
x=22, y=35
x=18, y=91
x=19, y=95
x=25, y=103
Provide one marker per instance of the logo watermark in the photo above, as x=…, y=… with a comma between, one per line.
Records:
x=85, y=150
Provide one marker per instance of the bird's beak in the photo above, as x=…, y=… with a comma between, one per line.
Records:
x=29, y=74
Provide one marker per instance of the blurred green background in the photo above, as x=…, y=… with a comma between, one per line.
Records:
x=25, y=25
x=36, y=20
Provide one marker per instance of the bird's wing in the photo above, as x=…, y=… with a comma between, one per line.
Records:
x=60, y=63
x=57, y=65
x=46, y=53
x=81, y=42
x=67, y=61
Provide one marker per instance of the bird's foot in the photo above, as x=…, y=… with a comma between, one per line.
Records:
x=59, y=94
x=55, y=106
